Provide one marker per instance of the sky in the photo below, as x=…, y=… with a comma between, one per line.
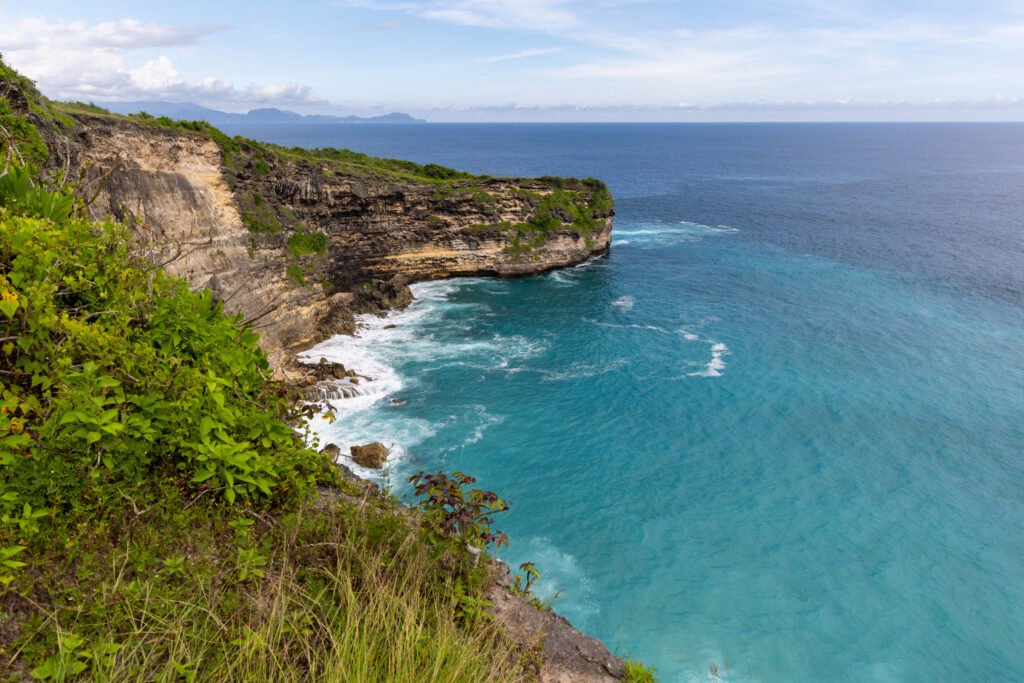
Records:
x=536, y=60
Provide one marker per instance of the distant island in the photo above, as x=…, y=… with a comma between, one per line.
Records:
x=192, y=111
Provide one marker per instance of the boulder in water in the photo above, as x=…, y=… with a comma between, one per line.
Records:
x=371, y=455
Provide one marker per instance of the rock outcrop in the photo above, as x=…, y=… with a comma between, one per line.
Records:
x=371, y=455
x=300, y=241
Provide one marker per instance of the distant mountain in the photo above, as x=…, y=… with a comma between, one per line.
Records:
x=190, y=111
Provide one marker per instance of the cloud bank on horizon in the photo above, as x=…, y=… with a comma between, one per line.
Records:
x=522, y=60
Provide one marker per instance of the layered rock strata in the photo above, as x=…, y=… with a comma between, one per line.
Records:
x=300, y=241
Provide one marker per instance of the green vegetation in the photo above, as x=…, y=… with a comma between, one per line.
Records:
x=527, y=241
x=259, y=215
x=452, y=512
x=302, y=243
x=30, y=149
x=636, y=672
x=261, y=166
x=565, y=205
x=124, y=371
x=295, y=273
x=37, y=104
x=355, y=163
x=158, y=516
x=331, y=592
x=81, y=108
x=523, y=585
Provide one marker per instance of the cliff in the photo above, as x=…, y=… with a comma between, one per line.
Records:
x=301, y=239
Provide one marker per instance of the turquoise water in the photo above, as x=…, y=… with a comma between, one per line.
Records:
x=779, y=426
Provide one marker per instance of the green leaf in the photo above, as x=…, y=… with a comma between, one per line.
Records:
x=202, y=475
x=9, y=307
x=10, y=551
x=45, y=671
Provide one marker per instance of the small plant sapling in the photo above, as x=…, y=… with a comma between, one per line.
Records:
x=456, y=512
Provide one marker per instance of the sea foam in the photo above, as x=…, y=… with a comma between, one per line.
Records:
x=379, y=342
x=714, y=367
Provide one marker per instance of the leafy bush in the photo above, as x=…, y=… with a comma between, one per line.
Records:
x=454, y=512
x=114, y=374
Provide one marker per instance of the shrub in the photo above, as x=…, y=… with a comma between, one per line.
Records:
x=113, y=373
x=302, y=243
x=454, y=512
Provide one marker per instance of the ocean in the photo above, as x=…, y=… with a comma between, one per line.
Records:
x=777, y=430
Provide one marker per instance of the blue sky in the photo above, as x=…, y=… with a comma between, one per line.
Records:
x=536, y=60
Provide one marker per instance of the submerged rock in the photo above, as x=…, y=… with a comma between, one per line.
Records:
x=371, y=455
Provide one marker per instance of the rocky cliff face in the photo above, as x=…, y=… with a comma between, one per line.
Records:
x=299, y=240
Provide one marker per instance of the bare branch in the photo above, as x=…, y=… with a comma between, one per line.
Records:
x=135, y=508
x=196, y=499
x=103, y=182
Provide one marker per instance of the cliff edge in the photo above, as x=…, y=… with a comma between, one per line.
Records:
x=300, y=240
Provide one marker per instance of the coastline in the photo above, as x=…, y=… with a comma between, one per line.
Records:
x=568, y=653
x=301, y=241
x=358, y=350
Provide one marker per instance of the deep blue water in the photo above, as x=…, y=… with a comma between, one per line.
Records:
x=780, y=425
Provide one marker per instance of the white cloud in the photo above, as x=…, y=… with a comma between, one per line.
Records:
x=518, y=55
x=127, y=34
x=279, y=92
x=546, y=15
x=801, y=49
x=158, y=74
x=80, y=61
x=533, y=15
x=383, y=25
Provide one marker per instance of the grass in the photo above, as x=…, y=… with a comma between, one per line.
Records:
x=356, y=163
x=637, y=672
x=341, y=591
x=81, y=108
